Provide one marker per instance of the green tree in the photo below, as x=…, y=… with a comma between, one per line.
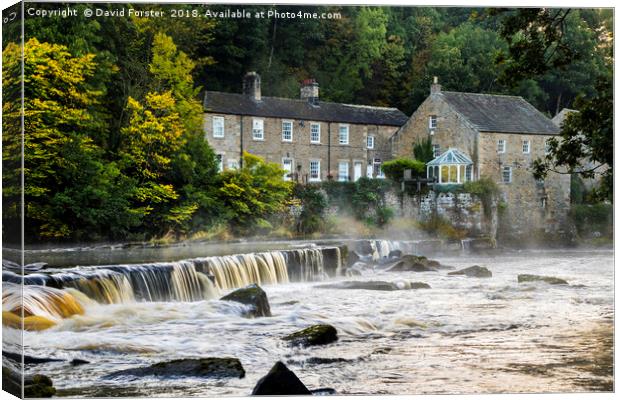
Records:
x=423, y=150
x=249, y=196
x=70, y=191
x=395, y=169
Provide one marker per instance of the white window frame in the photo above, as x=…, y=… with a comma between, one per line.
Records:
x=318, y=177
x=547, y=147
x=216, y=127
x=256, y=122
x=432, y=122
x=436, y=150
x=340, y=132
x=370, y=142
x=341, y=177
x=318, y=125
x=219, y=157
x=509, y=170
x=284, y=139
x=526, y=146
x=288, y=178
x=501, y=146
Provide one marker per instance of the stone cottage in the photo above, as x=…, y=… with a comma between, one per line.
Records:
x=313, y=140
x=492, y=136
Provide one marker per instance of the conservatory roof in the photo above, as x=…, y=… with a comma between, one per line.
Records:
x=451, y=156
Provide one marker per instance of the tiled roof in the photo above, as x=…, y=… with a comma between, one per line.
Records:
x=277, y=107
x=498, y=113
x=561, y=116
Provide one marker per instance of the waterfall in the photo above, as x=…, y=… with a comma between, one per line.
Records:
x=187, y=280
x=382, y=248
x=243, y=269
x=33, y=300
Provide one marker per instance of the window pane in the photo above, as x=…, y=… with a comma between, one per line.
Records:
x=287, y=131
x=315, y=133
x=344, y=134
x=343, y=171
x=445, y=174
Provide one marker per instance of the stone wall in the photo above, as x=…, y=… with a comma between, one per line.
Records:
x=301, y=150
x=463, y=210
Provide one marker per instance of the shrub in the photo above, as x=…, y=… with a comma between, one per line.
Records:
x=313, y=204
x=423, y=150
x=441, y=227
x=395, y=169
x=590, y=218
x=486, y=189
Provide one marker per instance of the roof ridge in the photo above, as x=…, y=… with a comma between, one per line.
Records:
x=320, y=101
x=484, y=94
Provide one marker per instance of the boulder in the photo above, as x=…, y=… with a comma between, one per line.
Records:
x=420, y=285
x=537, y=278
x=475, y=271
x=313, y=335
x=210, y=367
x=280, y=381
x=254, y=296
x=413, y=263
x=34, y=385
x=77, y=361
x=395, y=254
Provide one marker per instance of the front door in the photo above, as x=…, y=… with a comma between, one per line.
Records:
x=357, y=170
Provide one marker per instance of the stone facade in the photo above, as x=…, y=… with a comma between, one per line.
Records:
x=289, y=140
x=530, y=204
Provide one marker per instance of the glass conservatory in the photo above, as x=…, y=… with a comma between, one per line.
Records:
x=452, y=167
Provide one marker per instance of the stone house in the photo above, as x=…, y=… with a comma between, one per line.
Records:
x=313, y=140
x=498, y=137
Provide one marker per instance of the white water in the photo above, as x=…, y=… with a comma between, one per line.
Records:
x=465, y=335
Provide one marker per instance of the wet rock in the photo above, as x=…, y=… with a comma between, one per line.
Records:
x=413, y=263
x=312, y=336
x=395, y=254
x=280, y=381
x=537, y=278
x=252, y=295
x=38, y=386
x=475, y=271
x=323, y=391
x=34, y=385
x=77, y=361
x=210, y=367
x=375, y=285
x=29, y=359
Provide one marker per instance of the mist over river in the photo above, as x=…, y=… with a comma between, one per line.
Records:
x=463, y=335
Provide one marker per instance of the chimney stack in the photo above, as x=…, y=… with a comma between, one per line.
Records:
x=435, y=87
x=251, y=85
x=310, y=91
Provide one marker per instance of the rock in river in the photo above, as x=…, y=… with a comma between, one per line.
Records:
x=414, y=263
x=34, y=385
x=375, y=285
x=279, y=381
x=252, y=295
x=314, y=335
x=534, y=278
x=475, y=271
x=210, y=367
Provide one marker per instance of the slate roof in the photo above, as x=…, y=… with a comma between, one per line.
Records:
x=498, y=113
x=277, y=107
x=561, y=116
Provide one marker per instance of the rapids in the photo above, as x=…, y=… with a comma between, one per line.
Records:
x=464, y=335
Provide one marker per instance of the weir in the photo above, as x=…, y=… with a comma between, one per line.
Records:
x=187, y=280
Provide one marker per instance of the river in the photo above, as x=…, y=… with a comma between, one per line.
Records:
x=463, y=335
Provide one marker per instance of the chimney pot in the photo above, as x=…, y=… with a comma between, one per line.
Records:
x=251, y=85
x=435, y=87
